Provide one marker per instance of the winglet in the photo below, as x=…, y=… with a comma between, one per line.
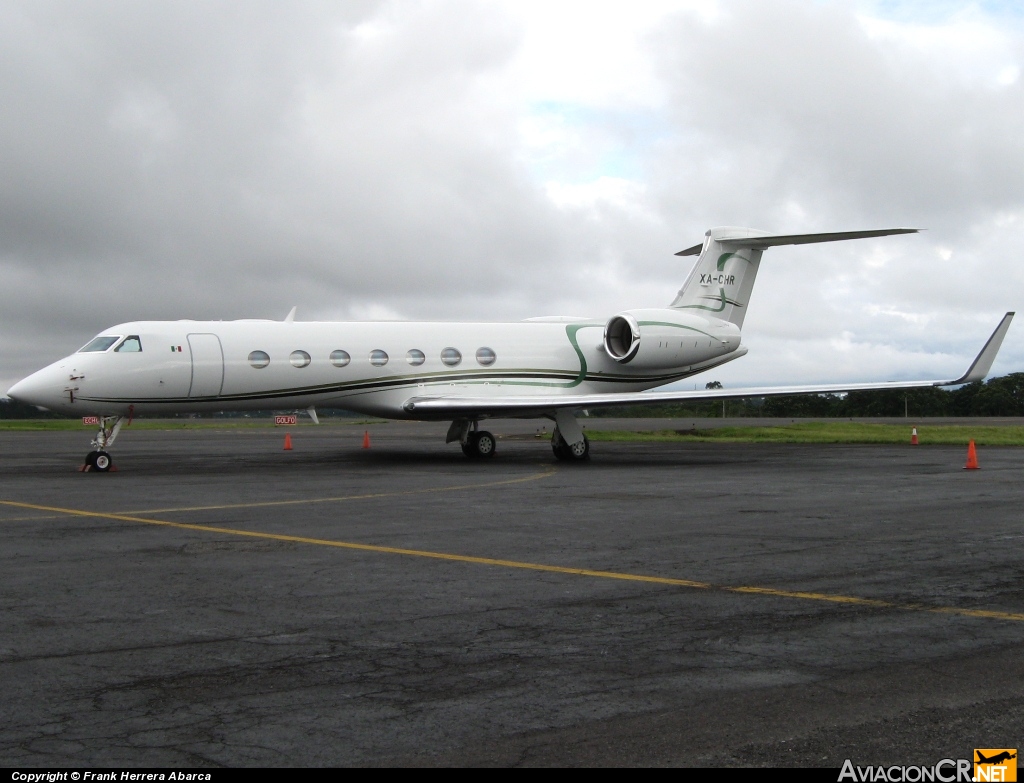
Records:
x=291, y=315
x=983, y=363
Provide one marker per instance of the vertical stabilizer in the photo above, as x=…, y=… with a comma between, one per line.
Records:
x=723, y=277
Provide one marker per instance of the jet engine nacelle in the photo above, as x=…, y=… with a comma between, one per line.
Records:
x=666, y=338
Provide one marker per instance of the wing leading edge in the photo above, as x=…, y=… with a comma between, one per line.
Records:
x=456, y=406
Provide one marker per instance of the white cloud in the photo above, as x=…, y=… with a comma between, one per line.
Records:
x=969, y=47
x=476, y=160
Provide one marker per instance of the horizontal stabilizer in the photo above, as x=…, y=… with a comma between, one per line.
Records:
x=451, y=406
x=758, y=241
x=806, y=239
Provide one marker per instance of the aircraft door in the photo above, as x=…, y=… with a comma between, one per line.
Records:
x=207, y=365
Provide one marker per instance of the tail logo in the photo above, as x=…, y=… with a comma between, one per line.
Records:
x=710, y=278
x=726, y=256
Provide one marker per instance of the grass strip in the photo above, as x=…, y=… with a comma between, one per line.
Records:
x=829, y=432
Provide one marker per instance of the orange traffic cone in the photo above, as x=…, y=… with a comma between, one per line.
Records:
x=366, y=439
x=972, y=457
x=913, y=436
x=287, y=441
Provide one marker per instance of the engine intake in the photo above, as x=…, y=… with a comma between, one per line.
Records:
x=622, y=337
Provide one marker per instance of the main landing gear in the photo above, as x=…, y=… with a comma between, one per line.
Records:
x=567, y=440
x=98, y=459
x=476, y=443
x=569, y=452
x=479, y=444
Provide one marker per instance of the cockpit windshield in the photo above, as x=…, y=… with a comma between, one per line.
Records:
x=99, y=344
x=131, y=344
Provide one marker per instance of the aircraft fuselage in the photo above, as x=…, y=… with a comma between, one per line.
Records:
x=368, y=367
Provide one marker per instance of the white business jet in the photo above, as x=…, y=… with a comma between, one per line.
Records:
x=459, y=372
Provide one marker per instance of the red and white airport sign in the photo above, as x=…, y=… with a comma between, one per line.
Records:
x=284, y=421
x=90, y=420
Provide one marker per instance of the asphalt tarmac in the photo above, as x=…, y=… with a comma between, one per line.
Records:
x=219, y=601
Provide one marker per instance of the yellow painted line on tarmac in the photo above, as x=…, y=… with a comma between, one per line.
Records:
x=618, y=575
x=340, y=498
x=362, y=547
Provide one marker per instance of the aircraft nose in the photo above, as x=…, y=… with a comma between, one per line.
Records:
x=19, y=390
x=34, y=390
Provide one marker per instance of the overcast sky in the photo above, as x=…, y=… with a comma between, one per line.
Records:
x=497, y=161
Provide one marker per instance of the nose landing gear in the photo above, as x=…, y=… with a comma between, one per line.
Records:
x=98, y=459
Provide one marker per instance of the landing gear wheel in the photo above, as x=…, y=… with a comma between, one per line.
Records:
x=101, y=461
x=479, y=445
x=485, y=444
x=580, y=451
x=558, y=445
x=577, y=452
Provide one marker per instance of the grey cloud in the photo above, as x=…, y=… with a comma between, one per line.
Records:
x=168, y=160
x=797, y=102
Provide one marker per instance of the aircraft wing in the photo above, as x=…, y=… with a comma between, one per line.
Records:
x=444, y=406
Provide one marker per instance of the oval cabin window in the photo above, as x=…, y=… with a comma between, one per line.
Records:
x=299, y=358
x=340, y=358
x=451, y=357
x=259, y=359
x=486, y=356
x=378, y=358
x=415, y=357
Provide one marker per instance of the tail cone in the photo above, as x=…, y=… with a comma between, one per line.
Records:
x=287, y=442
x=366, y=439
x=972, y=457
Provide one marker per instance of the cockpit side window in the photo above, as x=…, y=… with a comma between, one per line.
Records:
x=131, y=344
x=100, y=344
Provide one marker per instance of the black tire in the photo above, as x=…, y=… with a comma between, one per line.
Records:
x=558, y=445
x=480, y=445
x=90, y=460
x=101, y=461
x=563, y=451
x=485, y=444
